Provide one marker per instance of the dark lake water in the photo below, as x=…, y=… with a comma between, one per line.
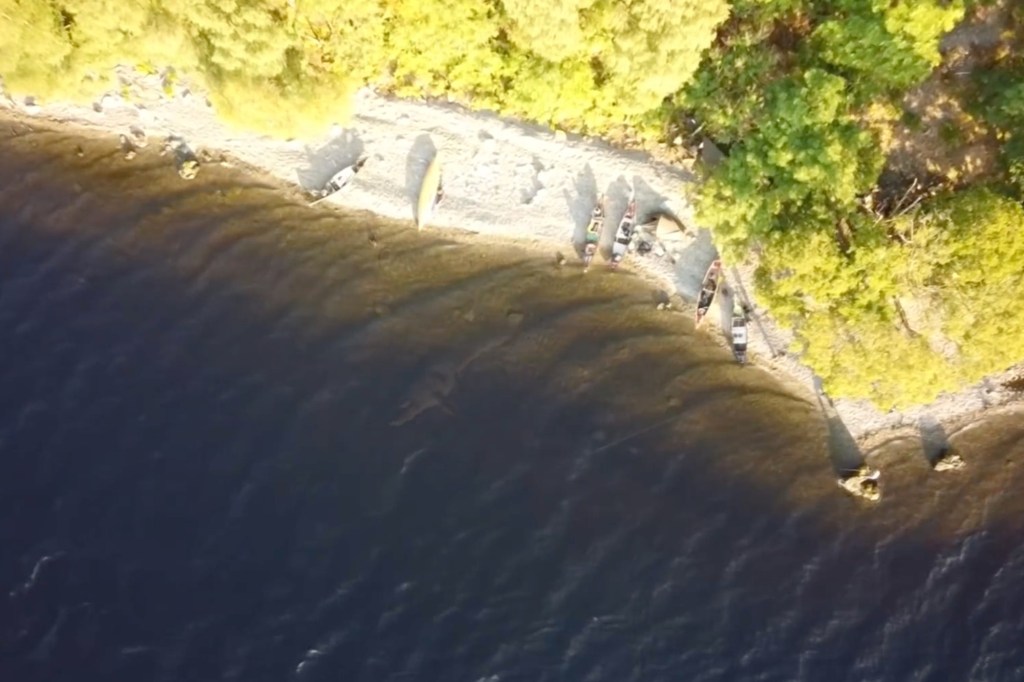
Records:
x=241, y=439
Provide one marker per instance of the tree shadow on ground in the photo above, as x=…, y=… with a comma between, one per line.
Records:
x=421, y=153
x=344, y=150
x=581, y=205
x=692, y=263
x=616, y=200
x=648, y=200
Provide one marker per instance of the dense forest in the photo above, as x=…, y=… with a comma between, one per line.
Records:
x=874, y=149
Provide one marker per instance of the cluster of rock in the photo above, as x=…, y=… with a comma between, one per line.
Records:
x=863, y=483
x=949, y=460
x=185, y=159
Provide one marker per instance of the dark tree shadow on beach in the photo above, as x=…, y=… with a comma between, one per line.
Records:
x=534, y=185
x=648, y=201
x=616, y=200
x=934, y=439
x=692, y=263
x=494, y=120
x=581, y=205
x=324, y=162
x=421, y=153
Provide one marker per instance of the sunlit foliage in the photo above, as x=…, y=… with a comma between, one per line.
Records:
x=285, y=66
x=790, y=89
x=805, y=161
x=38, y=31
x=955, y=263
x=883, y=45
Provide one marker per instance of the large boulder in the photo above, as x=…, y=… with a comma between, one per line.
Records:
x=862, y=483
x=188, y=169
x=949, y=460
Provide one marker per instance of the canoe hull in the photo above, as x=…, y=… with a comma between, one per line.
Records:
x=708, y=290
x=428, y=192
x=593, y=234
x=624, y=234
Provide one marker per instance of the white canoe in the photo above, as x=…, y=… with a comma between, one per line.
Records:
x=428, y=192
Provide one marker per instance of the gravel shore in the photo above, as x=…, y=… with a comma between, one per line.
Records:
x=510, y=180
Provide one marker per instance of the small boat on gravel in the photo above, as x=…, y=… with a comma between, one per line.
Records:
x=739, y=331
x=708, y=289
x=624, y=235
x=339, y=180
x=593, y=233
x=431, y=192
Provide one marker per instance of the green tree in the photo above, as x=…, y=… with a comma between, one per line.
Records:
x=34, y=46
x=886, y=46
x=800, y=169
x=435, y=52
x=982, y=280
x=342, y=38
x=956, y=261
x=643, y=54
x=550, y=30
x=728, y=93
x=250, y=37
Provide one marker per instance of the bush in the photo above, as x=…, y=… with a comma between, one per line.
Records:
x=959, y=260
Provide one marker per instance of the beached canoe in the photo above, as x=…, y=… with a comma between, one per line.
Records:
x=339, y=180
x=431, y=192
x=594, y=229
x=739, y=331
x=708, y=289
x=624, y=235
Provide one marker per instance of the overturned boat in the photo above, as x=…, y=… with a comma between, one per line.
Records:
x=624, y=235
x=339, y=181
x=431, y=192
x=708, y=290
x=739, y=331
x=593, y=235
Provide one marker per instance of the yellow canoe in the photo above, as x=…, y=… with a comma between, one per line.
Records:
x=428, y=192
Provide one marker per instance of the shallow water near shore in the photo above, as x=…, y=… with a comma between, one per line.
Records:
x=244, y=439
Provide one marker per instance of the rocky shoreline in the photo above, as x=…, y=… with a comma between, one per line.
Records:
x=507, y=180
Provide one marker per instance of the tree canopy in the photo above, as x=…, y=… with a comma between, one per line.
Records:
x=285, y=66
x=806, y=97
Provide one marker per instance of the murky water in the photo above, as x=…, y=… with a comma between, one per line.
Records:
x=241, y=439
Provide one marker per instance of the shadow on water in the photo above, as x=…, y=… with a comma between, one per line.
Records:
x=203, y=482
x=934, y=439
x=843, y=449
